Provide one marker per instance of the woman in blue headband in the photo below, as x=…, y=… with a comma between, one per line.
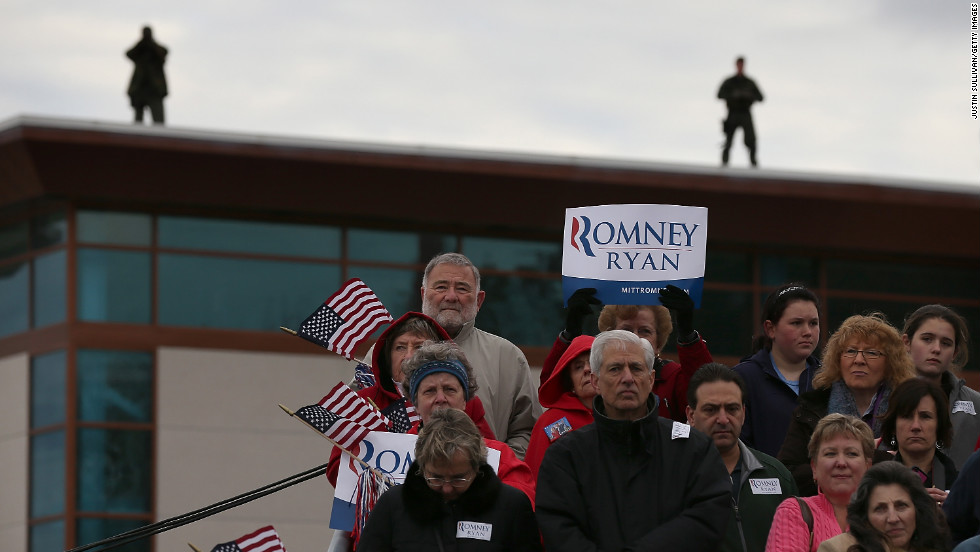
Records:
x=439, y=376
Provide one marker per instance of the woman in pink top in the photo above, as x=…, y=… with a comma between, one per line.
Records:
x=840, y=452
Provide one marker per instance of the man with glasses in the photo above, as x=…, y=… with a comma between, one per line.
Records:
x=631, y=480
x=451, y=498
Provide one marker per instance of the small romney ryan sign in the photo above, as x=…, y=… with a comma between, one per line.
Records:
x=629, y=252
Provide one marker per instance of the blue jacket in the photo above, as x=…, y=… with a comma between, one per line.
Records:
x=770, y=402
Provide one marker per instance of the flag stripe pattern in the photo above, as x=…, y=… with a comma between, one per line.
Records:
x=402, y=415
x=264, y=540
x=346, y=318
x=343, y=401
x=340, y=430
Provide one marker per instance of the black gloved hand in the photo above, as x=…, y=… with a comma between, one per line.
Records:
x=579, y=308
x=677, y=300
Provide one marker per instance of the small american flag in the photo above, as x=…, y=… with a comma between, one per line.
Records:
x=343, y=401
x=402, y=415
x=264, y=540
x=339, y=429
x=345, y=319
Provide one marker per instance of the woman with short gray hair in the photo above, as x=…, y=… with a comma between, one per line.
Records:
x=451, y=498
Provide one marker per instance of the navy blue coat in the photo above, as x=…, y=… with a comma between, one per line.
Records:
x=770, y=402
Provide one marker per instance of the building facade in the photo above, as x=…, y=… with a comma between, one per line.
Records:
x=144, y=273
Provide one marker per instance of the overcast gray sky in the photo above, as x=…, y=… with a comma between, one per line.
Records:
x=867, y=88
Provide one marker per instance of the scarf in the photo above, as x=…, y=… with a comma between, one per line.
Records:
x=842, y=401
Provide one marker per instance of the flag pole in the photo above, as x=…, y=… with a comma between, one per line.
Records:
x=287, y=330
x=196, y=549
x=335, y=443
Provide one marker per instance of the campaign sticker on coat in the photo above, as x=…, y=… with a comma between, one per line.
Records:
x=964, y=406
x=766, y=486
x=391, y=453
x=629, y=252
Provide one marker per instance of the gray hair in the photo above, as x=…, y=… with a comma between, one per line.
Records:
x=447, y=432
x=431, y=351
x=623, y=338
x=457, y=259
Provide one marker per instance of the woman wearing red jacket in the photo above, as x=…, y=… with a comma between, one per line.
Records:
x=567, y=394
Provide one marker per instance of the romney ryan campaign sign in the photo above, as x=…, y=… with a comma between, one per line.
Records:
x=629, y=252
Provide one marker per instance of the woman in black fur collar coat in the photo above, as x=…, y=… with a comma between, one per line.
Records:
x=451, y=499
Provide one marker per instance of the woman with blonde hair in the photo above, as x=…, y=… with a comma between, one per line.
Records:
x=863, y=362
x=840, y=451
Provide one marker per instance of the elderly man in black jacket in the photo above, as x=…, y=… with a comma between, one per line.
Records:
x=631, y=480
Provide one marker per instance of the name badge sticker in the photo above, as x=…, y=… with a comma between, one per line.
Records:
x=680, y=431
x=767, y=486
x=964, y=406
x=474, y=530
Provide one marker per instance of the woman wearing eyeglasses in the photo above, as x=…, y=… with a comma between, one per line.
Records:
x=863, y=362
x=451, y=498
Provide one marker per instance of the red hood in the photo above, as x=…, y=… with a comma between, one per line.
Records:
x=552, y=389
x=382, y=366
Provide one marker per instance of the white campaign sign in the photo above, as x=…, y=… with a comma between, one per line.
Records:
x=629, y=252
x=391, y=453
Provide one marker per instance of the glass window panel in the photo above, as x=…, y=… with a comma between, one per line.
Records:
x=727, y=266
x=49, y=536
x=13, y=239
x=112, y=227
x=399, y=290
x=115, y=386
x=396, y=247
x=49, y=229
x=48, y=474
x=114, y=470
x=48, y=389
x=96, y=529
x=114, y=286
x=299, y=240
x=50, y=289
x=501, y=254
x=527, y=311
x=14, y=294
x=725, y=321
x=777, y=271
x=219, y=292
x=901, y=278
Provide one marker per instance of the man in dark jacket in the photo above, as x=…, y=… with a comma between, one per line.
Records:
x=631, y=480
x=739, y=93
x=716, y=407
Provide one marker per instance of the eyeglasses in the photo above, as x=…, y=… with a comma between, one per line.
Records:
x=438, y=482
x=869, y=354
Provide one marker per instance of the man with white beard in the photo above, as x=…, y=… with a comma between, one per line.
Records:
x=452, y=296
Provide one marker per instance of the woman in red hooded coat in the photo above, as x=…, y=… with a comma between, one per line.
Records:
x=567, y=394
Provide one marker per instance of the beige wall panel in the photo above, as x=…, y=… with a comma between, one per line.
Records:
x=221, y=434
x=14, y=420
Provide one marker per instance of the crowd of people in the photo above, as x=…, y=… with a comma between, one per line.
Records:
x=871, y=446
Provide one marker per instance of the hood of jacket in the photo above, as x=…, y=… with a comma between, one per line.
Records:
x=381, y=363
x=553, y=388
